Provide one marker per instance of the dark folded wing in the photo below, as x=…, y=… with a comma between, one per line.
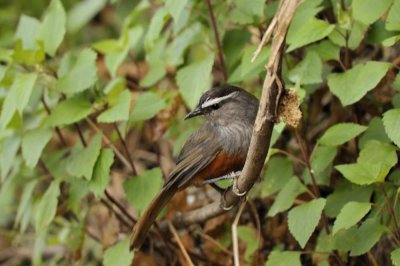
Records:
x=198, y=152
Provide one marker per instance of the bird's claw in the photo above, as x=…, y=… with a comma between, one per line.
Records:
x=236, y=190
x=222, y=203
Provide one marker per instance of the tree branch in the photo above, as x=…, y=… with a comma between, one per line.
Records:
x=262, y=131
x=217, y=39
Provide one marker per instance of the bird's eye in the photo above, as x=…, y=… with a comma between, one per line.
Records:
x=215, y=106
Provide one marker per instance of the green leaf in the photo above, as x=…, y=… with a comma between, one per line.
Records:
x=157, y=71
x=33, y=143
x=156, y=24
x=252, y=69
x=8, y=153
x=286, y=196
x=344, y=240
x=233, y=43
x=357, y=34
x=80, y=75
x=119, y=111
x=28, y=57
x=284, y=258
x=175, y=8
x=361, y=173
x=52, y=29
x=146, y=105
x=175, y=51
x=82, y=13
x=27, y=31
x=368, y=234
x=376, y=151
x=322, y=157
x=375, y=131
x=140, y=190
x=194, y=79
x=345, y=193
x=373, y=164
x=368, y=11
x=391, y=121
x=312, y=31
x=47, y=207
x=25, y=204
x=393, y=19
x=70, y=111
x=77, y=191
x=326, y=50
x=245, y=13
x=350, y=214
x=353, y=84
x=278, y=173
x=101, y=172
x=304, y=219
x=304, y=12
x=248, y=235
x=341, y=133
x=88, y=155
x=396, y=83
x=118, y=254
x=18, y=96
x=308, y=71
x=395, y=257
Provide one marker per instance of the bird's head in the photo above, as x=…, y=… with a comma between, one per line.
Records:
x=226, y=103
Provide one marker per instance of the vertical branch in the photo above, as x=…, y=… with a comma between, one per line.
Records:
x=125, y=146
x=57, y=129
x=217, y=39
x=84, y=143
x=316, y=192
x=391, y=212
x=235, y=240
x=305, y=152
x=180, y=244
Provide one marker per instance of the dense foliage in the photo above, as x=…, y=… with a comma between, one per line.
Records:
x=93, y=94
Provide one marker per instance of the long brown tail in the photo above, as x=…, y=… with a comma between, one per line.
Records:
x=145, y=221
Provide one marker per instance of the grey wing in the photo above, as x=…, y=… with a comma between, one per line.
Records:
x=198, y=152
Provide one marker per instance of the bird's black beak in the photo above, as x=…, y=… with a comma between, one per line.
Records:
x=196, y=112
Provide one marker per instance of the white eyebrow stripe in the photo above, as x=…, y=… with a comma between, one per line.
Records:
x=211, y=102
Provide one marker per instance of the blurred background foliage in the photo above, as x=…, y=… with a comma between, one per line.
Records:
x=93, y=94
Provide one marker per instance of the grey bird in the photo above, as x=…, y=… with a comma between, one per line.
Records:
x=217, y=149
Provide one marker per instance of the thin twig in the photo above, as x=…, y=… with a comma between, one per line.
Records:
x=83, y=141
x=391, y=211
x=215, y=243
x=266, y=37
x=372, y=259
x=117, y=214
x=253, y=210
x=324, y=218
x=125, y=146
x=235, y=240
x=291, y=156
x=119, y=206
x=343, y=5
x=57, y=129
x=217, y=40
x=180, y=244
x=108, y=142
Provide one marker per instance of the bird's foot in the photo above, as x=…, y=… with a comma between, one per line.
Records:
x=236, y=190
x=223, y=203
